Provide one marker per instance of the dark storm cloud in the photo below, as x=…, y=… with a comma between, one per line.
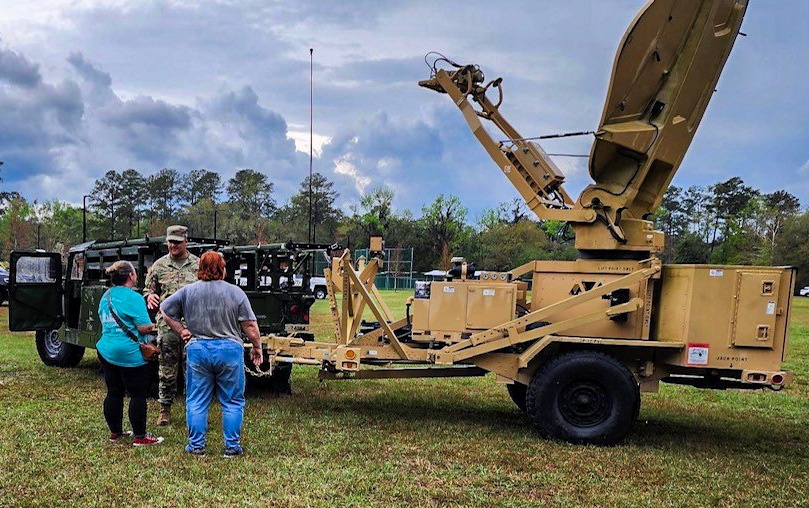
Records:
x=253, y=136
x=64, y=100
x=148, y=112
x=88, y=71
x=242, y=109
x=142, y=110
x=146, y=127
x=17, y=70
x=38, y=119
x=77, y=129
x=52, y=113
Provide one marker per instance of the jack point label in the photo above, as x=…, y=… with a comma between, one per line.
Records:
x=488, y=292
x=716, y=273
x=697, y=354
x=449, y=289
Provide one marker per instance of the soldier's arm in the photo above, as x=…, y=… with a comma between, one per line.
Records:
x=149, y=283
x=151, y=289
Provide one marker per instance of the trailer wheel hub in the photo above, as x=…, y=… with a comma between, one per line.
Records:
x=584, y=404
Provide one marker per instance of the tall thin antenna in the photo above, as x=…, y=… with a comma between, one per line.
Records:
x=311, y=116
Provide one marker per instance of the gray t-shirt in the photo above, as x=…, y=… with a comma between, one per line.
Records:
x=212, y=309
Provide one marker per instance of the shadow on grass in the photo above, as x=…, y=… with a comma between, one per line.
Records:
x=725, y=433
x=378, y=405
x=453, y=407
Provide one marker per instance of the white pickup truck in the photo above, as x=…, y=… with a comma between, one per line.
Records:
x=316, y=284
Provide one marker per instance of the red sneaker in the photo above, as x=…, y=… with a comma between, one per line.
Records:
x=147, y=440
x=116, y=438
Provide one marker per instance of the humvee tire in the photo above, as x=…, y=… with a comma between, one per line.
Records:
x=583, y=397
x=517, y=392
x=55, y=353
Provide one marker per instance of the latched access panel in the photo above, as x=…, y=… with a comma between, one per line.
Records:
x=729, y=317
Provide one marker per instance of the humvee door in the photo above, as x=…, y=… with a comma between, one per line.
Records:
x=35, y=291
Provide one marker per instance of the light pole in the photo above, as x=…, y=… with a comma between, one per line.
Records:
x=84, y=218
x=39, y=226
x=314, y=225
x=311, y=116
x=215, y=212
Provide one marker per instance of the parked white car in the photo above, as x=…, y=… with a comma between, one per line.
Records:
x=4, y=285
x=804, y=291
x=316, y=284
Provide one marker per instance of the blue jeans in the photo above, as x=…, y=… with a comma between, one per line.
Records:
x=214, y=364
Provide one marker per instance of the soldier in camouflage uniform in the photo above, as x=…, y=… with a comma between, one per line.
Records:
x=166, y=276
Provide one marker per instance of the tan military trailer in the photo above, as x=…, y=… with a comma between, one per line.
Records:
x=577, y=348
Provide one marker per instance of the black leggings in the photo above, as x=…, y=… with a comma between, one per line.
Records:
x=122, y=380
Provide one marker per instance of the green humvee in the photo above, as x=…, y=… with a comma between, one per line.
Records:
x=59, y=301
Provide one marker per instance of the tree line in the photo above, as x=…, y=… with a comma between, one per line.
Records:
x=725, y=223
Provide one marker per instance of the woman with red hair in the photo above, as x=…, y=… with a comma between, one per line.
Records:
x=216, y=314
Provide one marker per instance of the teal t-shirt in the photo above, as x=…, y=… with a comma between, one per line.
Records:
x=115, y=345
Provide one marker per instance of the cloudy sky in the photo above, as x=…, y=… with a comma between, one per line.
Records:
x=87, y=86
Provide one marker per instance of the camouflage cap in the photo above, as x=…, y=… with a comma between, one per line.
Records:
x=177, y=233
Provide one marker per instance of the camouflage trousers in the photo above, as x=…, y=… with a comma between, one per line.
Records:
x=171, y=360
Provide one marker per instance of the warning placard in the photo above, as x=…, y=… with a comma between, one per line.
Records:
x=697, y=354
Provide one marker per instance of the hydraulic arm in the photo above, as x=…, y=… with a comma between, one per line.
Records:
x=664, y=74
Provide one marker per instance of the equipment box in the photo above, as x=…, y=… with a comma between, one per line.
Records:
x=727, y=316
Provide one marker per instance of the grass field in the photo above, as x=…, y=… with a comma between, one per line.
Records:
x=402, y=443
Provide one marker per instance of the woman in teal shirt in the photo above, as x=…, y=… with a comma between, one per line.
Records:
x=125, y=370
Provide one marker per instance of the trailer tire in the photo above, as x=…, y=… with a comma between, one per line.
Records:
x=584, y=397
x=55, y=353
x=320, y=293
x=517, y=392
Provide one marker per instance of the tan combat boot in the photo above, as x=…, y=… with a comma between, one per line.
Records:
x=164, y=418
